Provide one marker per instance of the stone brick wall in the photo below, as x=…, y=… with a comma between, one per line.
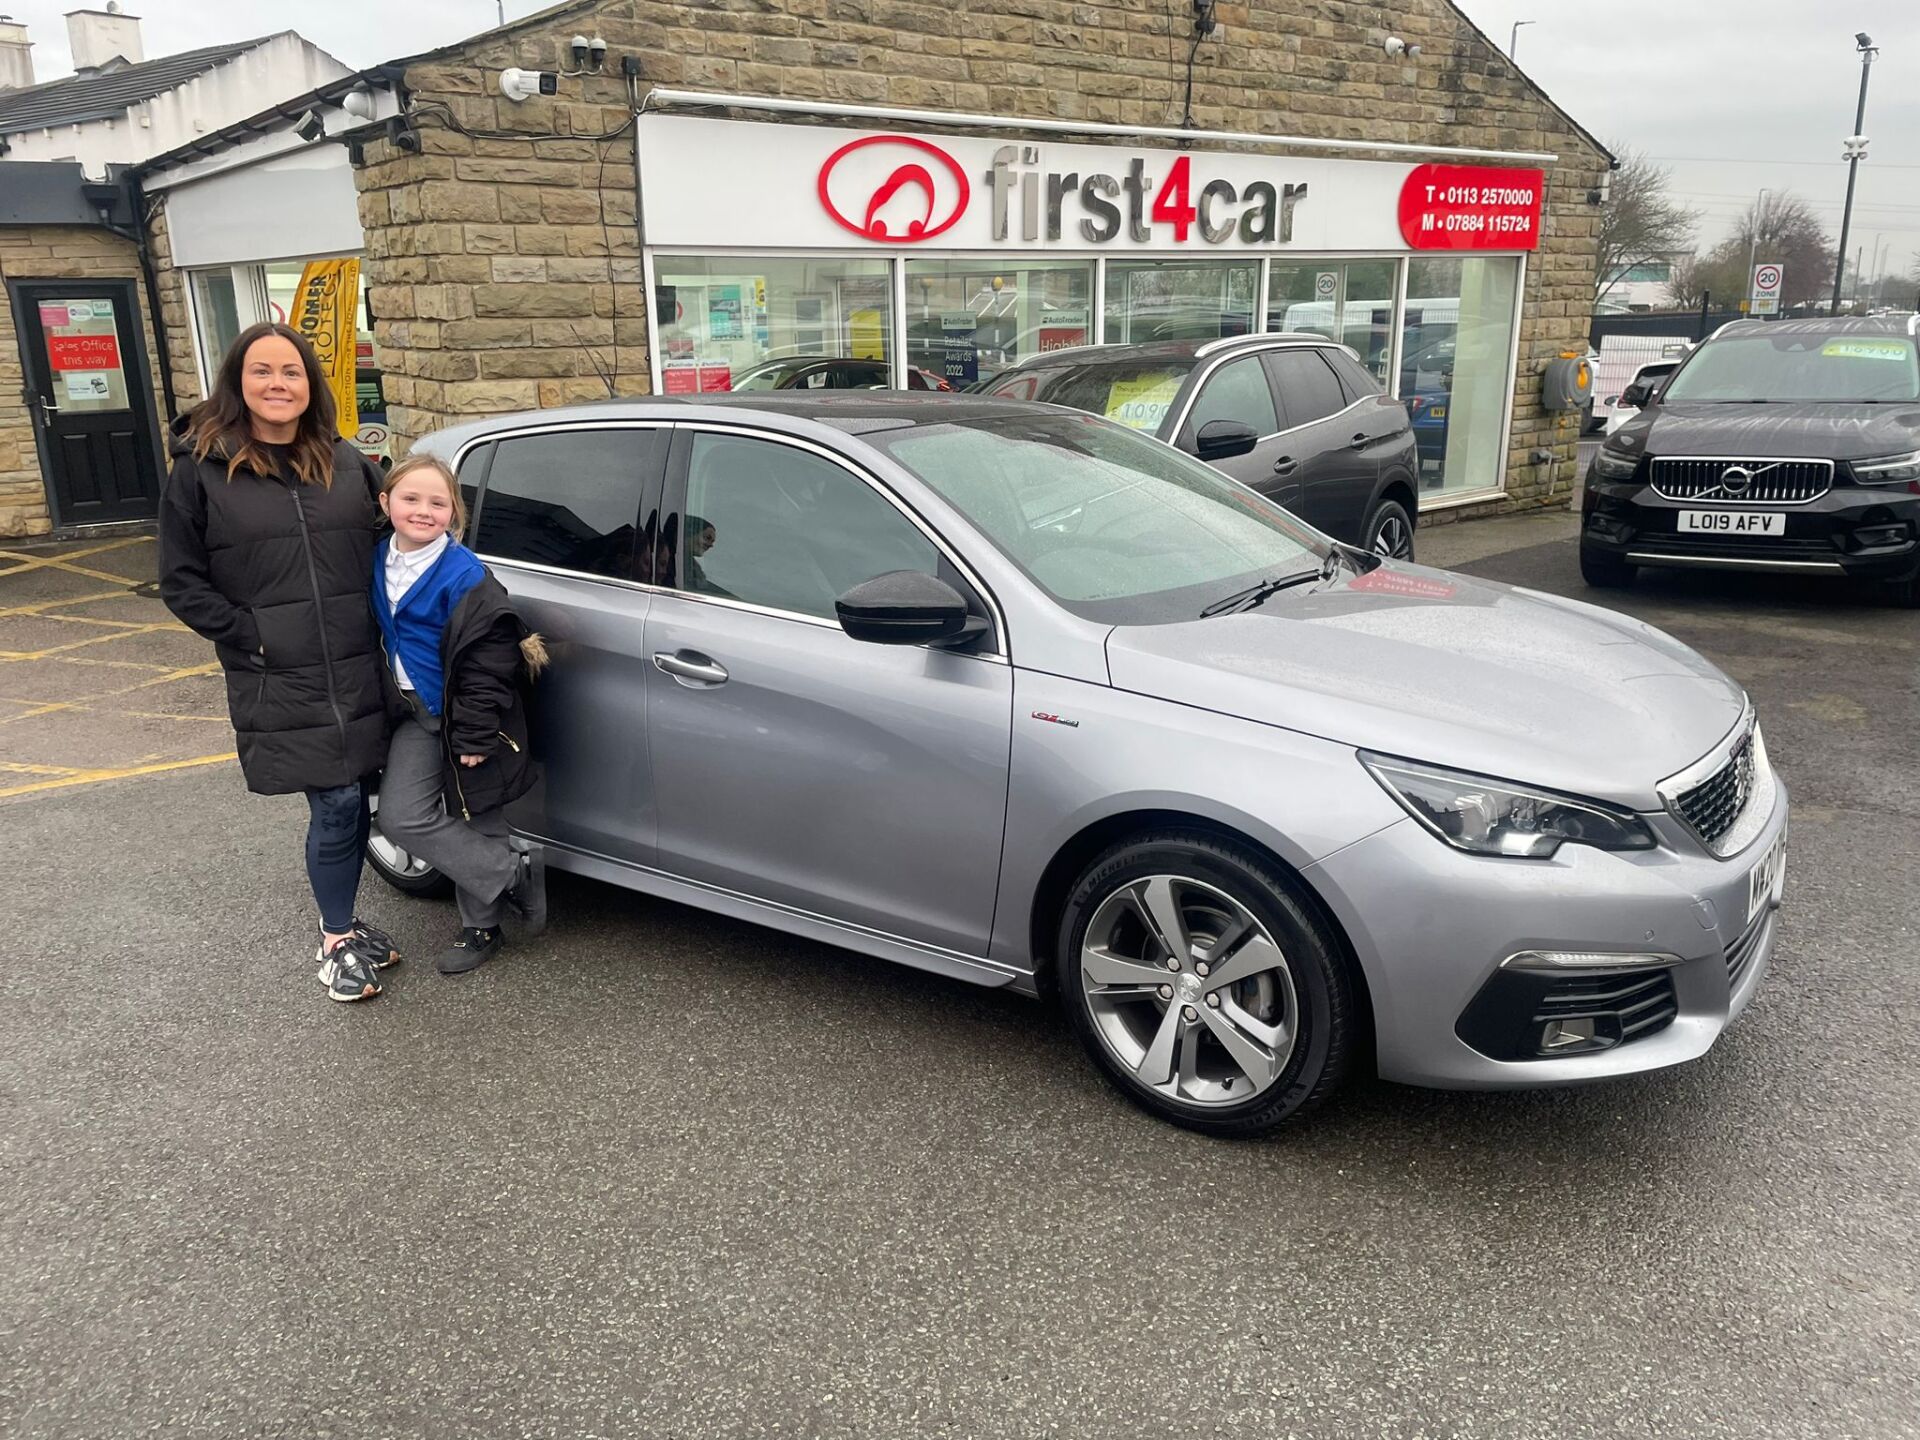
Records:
x=51, y=252
x=492, y=280
x=172, y=285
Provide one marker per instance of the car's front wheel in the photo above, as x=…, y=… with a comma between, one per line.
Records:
x=1204, y=985
x=407, y=873
x=1603, y=571
x=1390, y=531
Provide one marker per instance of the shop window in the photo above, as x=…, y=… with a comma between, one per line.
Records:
x=1455, y=361
x=732, y=324
x=1162, y=300
x=570, y=500
x=776, y=526
x=217, y=309
x=1350, y=301
x=968, y=320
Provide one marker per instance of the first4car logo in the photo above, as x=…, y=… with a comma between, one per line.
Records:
x=929, y=184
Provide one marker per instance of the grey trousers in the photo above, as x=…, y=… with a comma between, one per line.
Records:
x=474, y=854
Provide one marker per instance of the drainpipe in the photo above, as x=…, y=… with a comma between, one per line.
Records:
x=136, y=201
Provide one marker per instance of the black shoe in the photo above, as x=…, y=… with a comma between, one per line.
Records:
x=347, y=970
x=526, y=893
x=379, y=945
x=472, y=950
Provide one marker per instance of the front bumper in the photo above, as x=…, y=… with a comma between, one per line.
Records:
x=1430, y=925
x=1850, y=532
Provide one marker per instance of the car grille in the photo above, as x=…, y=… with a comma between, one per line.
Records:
x=1638, y=1002
x=1515, y=1010
x=1751, y=482
x=1740, y=954
x=1710, y=808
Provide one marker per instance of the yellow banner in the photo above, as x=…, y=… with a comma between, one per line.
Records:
x=325, y=307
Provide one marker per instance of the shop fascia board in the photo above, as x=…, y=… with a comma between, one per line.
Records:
x=660, y=98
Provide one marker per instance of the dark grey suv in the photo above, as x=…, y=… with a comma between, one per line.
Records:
x=1295, y=417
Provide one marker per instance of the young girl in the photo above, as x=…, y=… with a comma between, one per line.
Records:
x=464, y=663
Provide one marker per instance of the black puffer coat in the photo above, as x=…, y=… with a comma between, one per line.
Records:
x=489, y=660
x=275, y=573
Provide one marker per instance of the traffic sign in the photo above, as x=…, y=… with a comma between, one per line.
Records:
x=1766, y=289
x=1325, y=283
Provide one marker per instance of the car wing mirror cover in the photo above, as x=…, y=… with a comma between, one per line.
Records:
x=1223, y=439
x=906, y=607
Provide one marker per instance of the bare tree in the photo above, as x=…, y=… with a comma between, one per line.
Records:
x=1787, y=232
x=1641, y=223
x=1685, y=281
x=1913, y=270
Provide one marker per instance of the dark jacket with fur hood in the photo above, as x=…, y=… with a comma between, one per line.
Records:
x=488, y=661
x=275, y=574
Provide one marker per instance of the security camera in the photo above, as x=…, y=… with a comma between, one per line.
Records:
x=579, y=51
x=1394, y=46
x=518, y=85
x=596, y=52
x=1863, y=40
x=310, y=126
x=358, y=103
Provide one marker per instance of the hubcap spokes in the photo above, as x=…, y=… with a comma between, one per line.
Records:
x=1189, y=991
x=394, y=858
x=1393, y=539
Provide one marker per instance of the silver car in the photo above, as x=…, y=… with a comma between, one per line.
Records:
x=1015, y=695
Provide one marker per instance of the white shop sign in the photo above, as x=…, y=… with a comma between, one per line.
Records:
x=714, y=184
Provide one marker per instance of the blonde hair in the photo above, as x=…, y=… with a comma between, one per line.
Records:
x=412, y=463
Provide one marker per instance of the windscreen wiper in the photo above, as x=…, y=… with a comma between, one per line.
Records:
x=1256, y=594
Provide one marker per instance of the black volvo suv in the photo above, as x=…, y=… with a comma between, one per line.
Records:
x=1786, y=446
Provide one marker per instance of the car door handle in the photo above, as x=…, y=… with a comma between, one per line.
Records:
x=1360, y=442
x=690, y=668
x=1285, y=465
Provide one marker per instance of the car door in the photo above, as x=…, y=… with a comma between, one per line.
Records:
x=1238, y=390
x=1336, y=477
x=561, y=522
x=1380, y=433
x=791, y=763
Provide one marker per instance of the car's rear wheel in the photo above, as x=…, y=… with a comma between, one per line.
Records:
x=405, y=872
x=1603, y=571
x=1390, y=531
x=1204, y=985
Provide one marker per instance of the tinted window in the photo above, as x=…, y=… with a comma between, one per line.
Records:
x=776, y=526
x=1354, y=379
x=1308, y=388
x=1238, y=391
x=1136, y=393
x=569, y=499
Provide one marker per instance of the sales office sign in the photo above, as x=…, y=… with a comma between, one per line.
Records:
x=740, y=184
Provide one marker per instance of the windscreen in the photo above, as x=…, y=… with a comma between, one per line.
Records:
x=1788, y=367
x=1135, y=393
x=1114, y=526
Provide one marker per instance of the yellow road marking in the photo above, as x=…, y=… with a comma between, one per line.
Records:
x=21, y=768
x=123, y=624
x=44, y=605
x=88, y=707
x=12, y=655
x=65, y=561
x=95, y=777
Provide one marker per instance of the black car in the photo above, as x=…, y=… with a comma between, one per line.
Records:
x=1786, y=446
x=1295, y=417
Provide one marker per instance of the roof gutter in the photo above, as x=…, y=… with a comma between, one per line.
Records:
x=658, y=99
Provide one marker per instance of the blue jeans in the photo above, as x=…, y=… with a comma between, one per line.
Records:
x=337, y=830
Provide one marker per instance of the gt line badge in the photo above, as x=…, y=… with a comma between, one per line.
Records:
x=1056, y=720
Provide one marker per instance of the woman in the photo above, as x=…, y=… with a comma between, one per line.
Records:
x=267, y=532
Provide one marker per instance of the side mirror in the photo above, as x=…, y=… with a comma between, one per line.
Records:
x=1637, y=395
x=1223, y=439
x=906, y=607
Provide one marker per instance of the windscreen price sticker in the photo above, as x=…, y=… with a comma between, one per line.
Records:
x=1765, y=299
x=1471, y=207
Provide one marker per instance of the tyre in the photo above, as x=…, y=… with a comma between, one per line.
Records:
x=1603, y=571
x=1904, y=593
x=405, y=873
x=1203, y=985
x=1390, y=531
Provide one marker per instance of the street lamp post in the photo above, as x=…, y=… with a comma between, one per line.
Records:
x=1753, y=237
x=1514, y=38
x=1856, y=149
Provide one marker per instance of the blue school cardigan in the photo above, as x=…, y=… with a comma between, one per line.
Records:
x=414, y=631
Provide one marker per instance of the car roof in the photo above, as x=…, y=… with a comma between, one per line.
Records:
x=1150, y=350
x=852, y=412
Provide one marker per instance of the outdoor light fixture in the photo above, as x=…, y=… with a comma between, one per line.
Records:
x=358, y=103
x=310, y=126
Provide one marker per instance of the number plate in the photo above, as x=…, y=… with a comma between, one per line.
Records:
x=1734, y=522
x=1768, y=880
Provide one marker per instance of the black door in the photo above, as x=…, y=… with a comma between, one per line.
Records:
x=1337, y=474
x=1238, y=390
x=91, y=397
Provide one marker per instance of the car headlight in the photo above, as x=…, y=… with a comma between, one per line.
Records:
x=1892, y=470
x=1495, y=817
x=1612, y=465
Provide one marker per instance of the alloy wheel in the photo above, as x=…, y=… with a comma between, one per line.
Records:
x=1189, y=992
x=1393, y=537
x=401, y=863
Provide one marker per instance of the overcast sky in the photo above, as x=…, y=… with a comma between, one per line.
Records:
x=1731, y=95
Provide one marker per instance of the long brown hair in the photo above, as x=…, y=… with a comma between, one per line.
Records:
x=221, y=425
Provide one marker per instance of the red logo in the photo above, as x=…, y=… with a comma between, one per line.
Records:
x=910, y=179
